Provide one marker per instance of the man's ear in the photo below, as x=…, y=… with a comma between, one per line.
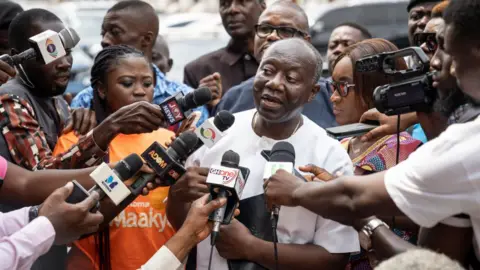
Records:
x=170, y=64
x=263, y=4
x=148, y=40
x=314, y=92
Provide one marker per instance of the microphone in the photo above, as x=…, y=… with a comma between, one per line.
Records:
x=177, y=108
x=165, y=162
x=226, y=181
x=110, y=181
x=210, y=133
x=47, y=47
x=282, y=156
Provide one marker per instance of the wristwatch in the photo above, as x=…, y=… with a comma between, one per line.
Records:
x=365, y=234
x=33, y=212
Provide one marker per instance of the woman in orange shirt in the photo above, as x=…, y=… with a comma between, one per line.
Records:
x=121, y=76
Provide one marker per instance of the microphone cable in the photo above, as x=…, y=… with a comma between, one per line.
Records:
x=210, y=259
x=397, y=159
x=274, y=219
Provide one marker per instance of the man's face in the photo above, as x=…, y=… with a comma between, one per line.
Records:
x=284, y=82
x=52, y=79
x=277, y=16
x=340, y=39
x=466, y=61
x=120, y=27
x=418, y=18
x=240, y=16
x=4, y=47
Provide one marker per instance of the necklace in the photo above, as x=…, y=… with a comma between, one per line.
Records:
x=254, y=122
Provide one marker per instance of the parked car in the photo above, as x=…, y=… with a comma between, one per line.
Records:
x=386, y=19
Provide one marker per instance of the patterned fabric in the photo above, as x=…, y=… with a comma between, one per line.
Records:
x=164, y=88
x=379, y=157
x=27, y=143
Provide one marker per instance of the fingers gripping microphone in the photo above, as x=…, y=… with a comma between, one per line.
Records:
x=177, y=108
x=46, y=47
x=166, y=162
x=226, y=181
x=210, y=133
x=282, y=156
x=110, y=181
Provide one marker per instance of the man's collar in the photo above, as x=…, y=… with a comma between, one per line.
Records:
x=234, y=53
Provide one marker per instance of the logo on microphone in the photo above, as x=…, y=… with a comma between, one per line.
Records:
x=228, y=176
x=110, y=183
x=51, y=48
x=173, y=107
x=207, y=133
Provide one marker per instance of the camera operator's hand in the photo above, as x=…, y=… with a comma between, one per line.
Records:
x=139, y=117
x=388, y=124
x=70, y=221
x=81, y=121
x=6, y=72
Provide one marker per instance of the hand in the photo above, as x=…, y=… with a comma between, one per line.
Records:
x=68, y=98
x=317, y=173
x=192, y=185
x=6, y=72
x=280, y=188
x=388, y=124
x=197, y=223
x=214, y=83
x=169, y=143
x=139, y=117
x=81, y=121
x=235, y=241
x=70, y=221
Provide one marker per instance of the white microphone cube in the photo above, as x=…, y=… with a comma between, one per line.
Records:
x=208, y=133
x=48, y=46
x=272, y=167
x=109, y=182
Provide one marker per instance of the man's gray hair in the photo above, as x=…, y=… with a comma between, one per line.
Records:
x=419, y=259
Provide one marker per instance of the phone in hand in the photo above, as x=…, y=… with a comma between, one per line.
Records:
x=191, y=121
x=352, y=130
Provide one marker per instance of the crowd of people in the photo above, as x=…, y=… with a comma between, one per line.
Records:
x=404, y=195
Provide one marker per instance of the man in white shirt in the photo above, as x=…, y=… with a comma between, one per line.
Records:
x=285, y=81
x=438, y=181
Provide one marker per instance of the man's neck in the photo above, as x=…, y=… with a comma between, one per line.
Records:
x=239, y=44
x=276, y=131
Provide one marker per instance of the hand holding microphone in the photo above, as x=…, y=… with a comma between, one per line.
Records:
x=6, y=72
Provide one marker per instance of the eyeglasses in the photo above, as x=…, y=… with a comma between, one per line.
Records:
x=341, y=87
x=264, y=30
x=428, y=38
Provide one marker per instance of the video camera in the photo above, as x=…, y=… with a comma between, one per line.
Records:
x=414, y=91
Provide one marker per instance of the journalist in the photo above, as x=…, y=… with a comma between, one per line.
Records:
x=28, y=233
x=429, y=195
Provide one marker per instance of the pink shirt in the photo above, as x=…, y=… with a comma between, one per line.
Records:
x=21, y=243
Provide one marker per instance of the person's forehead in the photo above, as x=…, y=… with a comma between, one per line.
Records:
x=346, y=33
x=290, y=55
x=281, y=16
x=133, y=65
x=428, y=6
x=123, y=18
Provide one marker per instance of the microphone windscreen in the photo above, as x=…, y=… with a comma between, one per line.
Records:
x=197, y=98
x=128, y=167
x=184, y=143
x=282, y=152
x=230, y=159
x=224, y=120
x=69, y=37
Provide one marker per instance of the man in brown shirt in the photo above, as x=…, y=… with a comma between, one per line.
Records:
x=234, y=63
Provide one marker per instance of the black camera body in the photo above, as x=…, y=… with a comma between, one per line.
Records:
x=414, y=91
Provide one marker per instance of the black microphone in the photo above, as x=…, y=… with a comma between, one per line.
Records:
x=226, y=181
x=210, y=133
x=177, y=108
x=165, y=162
x=282, y=156
x=109, y=181
x=46, y=47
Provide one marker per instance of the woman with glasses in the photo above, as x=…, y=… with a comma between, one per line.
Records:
x=352, y=96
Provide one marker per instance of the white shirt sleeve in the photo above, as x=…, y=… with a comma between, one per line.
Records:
x=163, y=259
x=439, y=180
x=335, y=237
